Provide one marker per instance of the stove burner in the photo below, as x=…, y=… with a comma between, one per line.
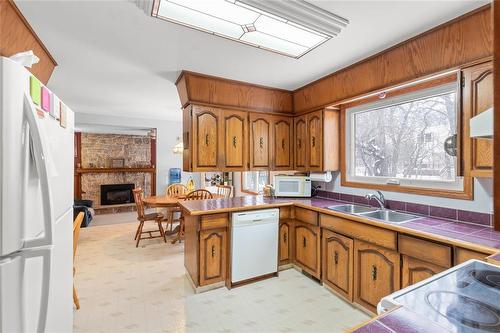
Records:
x=487, y=277
x=465, y=310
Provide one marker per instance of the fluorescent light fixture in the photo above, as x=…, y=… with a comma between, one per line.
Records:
x=291, y=28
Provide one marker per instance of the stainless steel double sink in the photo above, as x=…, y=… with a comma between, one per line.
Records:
x=385, y=215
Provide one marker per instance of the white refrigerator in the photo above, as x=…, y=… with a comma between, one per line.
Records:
x=36, y=199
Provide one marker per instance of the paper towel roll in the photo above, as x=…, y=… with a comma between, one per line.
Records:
x=321, y=176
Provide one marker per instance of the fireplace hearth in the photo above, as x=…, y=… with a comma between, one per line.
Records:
x=117, y=194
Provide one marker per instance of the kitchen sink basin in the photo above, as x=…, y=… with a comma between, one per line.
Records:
x=352, y=209
x=390, y=216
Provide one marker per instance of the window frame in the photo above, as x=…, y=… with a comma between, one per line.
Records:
x=461, y=189
x=243, y=182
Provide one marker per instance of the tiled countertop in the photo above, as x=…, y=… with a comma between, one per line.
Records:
x=439, y=229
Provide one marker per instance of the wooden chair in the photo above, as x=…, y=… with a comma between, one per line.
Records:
x=157, y=217
x=174, y=190
x=76, y=233
x=199, y=195
x=224, y=190
x=194, y=195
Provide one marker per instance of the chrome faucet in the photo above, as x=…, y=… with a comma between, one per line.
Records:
x=379, y=199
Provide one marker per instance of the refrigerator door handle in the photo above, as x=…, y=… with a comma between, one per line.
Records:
x=39, y=155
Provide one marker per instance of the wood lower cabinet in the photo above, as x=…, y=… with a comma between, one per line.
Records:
x=285, y=242
x=415, y=270
x=477, y=96
x=213, y=256
x=235, y=139
x=376, y=273
x=308, y=248
x=337, y=266
x=462, y=255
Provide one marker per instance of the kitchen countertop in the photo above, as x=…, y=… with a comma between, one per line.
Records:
x=476, y=237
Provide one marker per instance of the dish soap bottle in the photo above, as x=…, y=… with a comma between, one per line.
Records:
x=190, y=184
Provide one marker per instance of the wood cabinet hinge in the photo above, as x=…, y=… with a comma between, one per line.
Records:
x=463, y=81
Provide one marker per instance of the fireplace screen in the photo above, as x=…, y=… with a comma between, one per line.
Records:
x=116, y=194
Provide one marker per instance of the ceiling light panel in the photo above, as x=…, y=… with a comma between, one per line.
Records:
x=245, y=21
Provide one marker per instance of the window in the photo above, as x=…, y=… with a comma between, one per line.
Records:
x=408, y=140
x=254, y=181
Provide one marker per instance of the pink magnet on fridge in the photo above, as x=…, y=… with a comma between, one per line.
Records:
x=46, y=97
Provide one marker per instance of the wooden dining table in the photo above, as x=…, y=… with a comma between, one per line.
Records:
x=165, y=201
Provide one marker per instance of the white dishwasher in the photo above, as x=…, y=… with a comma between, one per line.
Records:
x=254, y=244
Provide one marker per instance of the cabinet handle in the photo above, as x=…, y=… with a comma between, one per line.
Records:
x=234, y=141
x=261, y=142
x=283, y=144
x=213, y=251
x=299, y=143
x=284, y=237
x=374, y=272
x=304, y=241
x=336, y=257
x=313, y=141
x=206, y=139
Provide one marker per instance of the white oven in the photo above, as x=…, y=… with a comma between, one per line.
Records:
x=292, y=186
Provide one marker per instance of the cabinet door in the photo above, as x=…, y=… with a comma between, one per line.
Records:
x=235, y=135
x=285, y=249
x=376, y=274
x=307, y=248
x=206, y=142
x=338, y=263
x=315, y=136
x=283, y=152
x=414, y=270
x=260, y=128
x=300, y=142
x=477, y=98
x=212, y=256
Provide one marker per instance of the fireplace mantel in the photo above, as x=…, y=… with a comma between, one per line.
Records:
x=114, y=170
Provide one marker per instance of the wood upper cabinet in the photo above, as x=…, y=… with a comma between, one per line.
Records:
x=235, y=140
x=283, y=141
x=308, y=248
x=376, y=274
x=300, y=125
x=317, y=138
x=213, y=255
x=337, y=267
x=415, y=270
x=206, y=123
x=260, y=138
x=285, y=242
x=477, y=96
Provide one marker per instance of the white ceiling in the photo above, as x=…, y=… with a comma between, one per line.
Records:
x=115, y=60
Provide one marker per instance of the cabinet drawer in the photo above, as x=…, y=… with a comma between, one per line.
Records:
x=214, y=221
x=462, y=255
x=374, y=235
x=434, y=253
x=306, y=215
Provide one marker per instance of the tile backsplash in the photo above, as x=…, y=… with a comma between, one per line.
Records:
x=483, y=219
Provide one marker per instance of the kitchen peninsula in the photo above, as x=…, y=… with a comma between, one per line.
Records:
x=343, y=251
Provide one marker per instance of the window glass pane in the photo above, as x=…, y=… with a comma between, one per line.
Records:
x=407, y=140
x=255, y=181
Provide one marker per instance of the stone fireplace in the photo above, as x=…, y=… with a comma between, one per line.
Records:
x=117, y=194
x=110, y=186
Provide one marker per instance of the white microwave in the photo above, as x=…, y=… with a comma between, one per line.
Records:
x=292, y=186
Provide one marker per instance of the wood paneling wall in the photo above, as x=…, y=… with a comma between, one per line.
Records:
x=496, y=103
x=16, y=35
x=194, y=88
x=450, y=45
